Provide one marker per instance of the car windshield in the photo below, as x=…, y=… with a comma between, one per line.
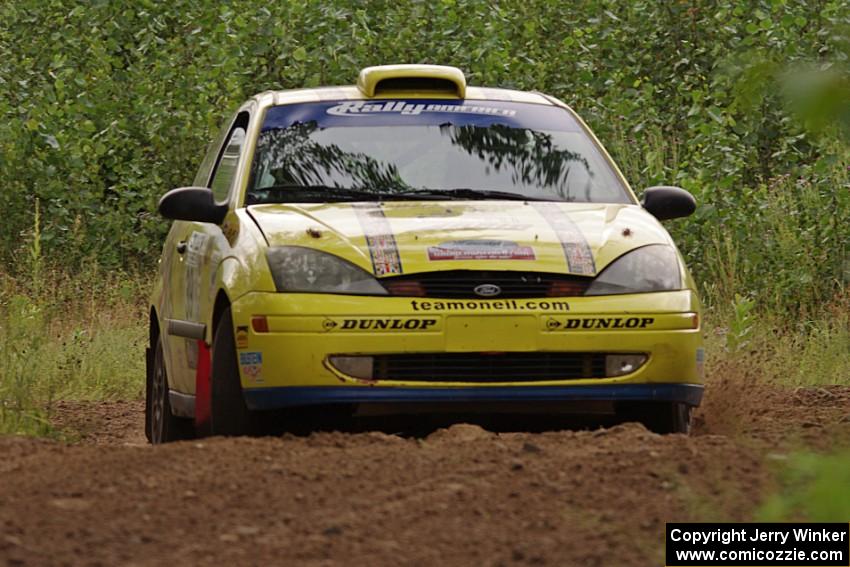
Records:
x=400, y=150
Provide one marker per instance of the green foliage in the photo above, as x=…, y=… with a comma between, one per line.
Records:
x=106, y=105
x=806, y=352
x=21, y=343
x=67, y=337
x=741, y=324
x=814, y=489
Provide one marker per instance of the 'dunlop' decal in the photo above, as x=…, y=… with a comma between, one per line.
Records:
x=379, y=238
x=576, y=249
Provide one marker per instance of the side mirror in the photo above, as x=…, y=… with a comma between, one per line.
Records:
x=192, y=204
x=665, y=202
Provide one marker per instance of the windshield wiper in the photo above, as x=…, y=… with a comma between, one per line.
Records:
x=295, y=192
x=469, y=193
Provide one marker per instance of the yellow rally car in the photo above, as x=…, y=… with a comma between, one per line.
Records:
x=413, y=240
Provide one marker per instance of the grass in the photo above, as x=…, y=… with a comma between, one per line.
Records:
x=813, y=488
x=71, y=337
x=807, y=352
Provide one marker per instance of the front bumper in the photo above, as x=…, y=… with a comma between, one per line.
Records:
x=276, y=398
x=305, y=329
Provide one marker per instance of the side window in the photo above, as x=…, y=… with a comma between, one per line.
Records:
x=225, y=169
x=202, y=178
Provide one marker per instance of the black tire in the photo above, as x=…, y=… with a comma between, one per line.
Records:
x=162, y=426
x=681, y=420
x=660, y=417
x=229, y=415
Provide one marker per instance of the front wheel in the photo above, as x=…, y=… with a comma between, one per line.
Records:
x=229, y=415
x=660, y=417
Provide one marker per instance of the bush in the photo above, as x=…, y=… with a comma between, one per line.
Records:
x=109, y=104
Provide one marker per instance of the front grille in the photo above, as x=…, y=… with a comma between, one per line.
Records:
x=461, y=284
x=489, y=367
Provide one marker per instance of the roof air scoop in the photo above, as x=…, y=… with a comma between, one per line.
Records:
x=400, y=80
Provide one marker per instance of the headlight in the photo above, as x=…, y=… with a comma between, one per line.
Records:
x=651, y=268
x=309, y=271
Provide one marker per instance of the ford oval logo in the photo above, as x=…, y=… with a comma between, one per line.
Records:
x=487, y=290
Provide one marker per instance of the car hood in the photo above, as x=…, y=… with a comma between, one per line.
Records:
x=397, y=237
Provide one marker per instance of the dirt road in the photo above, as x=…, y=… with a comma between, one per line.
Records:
x=458, y=496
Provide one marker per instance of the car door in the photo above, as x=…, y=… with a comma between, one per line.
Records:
x=198, y=249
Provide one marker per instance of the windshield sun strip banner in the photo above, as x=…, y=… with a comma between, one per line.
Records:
x=576, y=249
x=383, y=249
x=421, y=112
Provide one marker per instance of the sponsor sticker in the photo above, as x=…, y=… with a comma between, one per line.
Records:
x=251, y=364
x=480, y=250
x=196, y=251
x=598, y=323
x=363, y=108
x=242, y=337
x=424, y=112
x=381, y=324
x=701, y=362
x=379, y=239
x=479, y=305
x=576, y=249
